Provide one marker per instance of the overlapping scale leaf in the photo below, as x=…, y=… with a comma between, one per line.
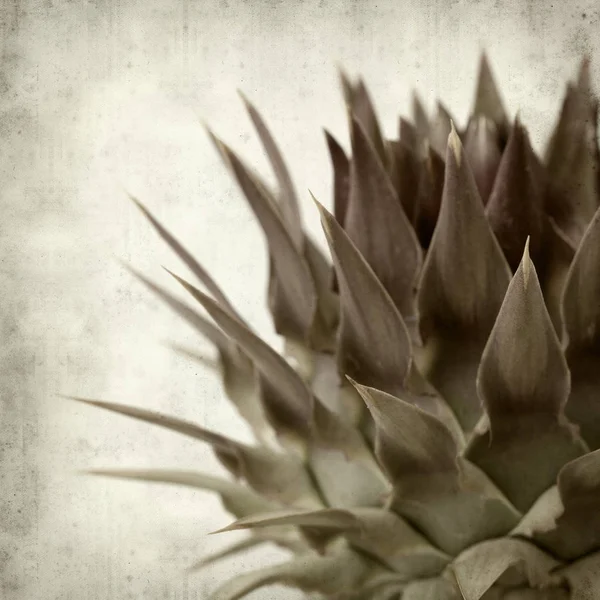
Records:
x=449, y=499
x=462, y=286
x=583, y=577
x=437, y=588
x=343, y=464
x=331, y=446
x=239, y=378
x=378, y=226
x=510, y=562
x=523, y=381
x=581, y=316
x=572, y=529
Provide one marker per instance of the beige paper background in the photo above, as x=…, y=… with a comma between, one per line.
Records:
x=98, y=97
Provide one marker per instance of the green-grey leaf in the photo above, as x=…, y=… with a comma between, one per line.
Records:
x=462, y=286
x=523, y=381
x=378, y=226
x=581, y=317
x=485, y=564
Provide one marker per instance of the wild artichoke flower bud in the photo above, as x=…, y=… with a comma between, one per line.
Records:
x=433, y=427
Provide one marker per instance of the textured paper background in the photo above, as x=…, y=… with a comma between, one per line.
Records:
x=98, y=97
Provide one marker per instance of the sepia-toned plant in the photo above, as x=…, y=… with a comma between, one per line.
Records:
x=432, y=430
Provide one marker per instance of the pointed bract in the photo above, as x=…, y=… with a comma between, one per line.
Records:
x=440, y=129
x=515, y=206
x=341, y=178
x=573, y=164
x=376, y=531
x=288, y=402
x=462, y=286
x=451, y=501
x=429, y=196
x=295, y=310
x=405, y=175
x=481, y=566
x=288, y=201
x=482, y=149
x=238, y=499
x=576, y=530
x=360, y=105
x=421, y=121
x=278, y=476
x=488, y=101
x=374, y=346
x=344, y=571
x=523, y=381
x=581, y=318
x=378, y=226
x=195, y=267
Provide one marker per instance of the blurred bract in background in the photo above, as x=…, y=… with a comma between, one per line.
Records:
x=100, y=99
